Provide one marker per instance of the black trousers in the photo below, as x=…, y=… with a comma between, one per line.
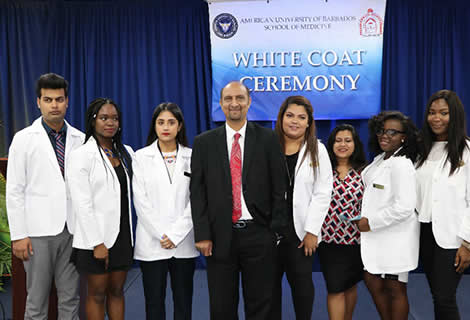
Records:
x=298, y=269
x=252, y=256
x=154, y=276
x=438, y=265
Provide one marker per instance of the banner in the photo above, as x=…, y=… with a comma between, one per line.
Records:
x=329, y=51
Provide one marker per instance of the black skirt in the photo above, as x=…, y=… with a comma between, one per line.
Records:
x=341, y=266
x=121, y=253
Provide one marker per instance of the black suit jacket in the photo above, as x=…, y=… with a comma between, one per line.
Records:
x=263, y=182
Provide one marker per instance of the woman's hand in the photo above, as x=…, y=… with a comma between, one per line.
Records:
x=462, y=259
x=363, y=224
x=166, y=243
x=310, y=244
x=100, y=252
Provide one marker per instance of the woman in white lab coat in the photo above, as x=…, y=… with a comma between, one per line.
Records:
x=389, y=226
x=443, y=200
x=98, y=177
x=309, y=180
x=164, y=236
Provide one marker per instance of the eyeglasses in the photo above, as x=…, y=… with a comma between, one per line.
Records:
x=389, y=132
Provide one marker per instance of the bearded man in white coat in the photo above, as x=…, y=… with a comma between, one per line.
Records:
x=39, y=213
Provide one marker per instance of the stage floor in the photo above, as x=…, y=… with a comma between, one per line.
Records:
x=418, y=292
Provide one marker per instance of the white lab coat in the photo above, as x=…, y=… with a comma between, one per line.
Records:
x=36, y=196
x=162, y=207
x=96, y=196
x=389, y=201
x=451, y=203
x=312, y=195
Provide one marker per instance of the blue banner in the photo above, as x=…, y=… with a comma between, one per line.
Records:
x=327, y=51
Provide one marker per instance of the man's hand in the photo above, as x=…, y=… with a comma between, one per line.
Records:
x=100, y=252
x=363, y=225
x=22, y=249
x=166, y=243
x=462, y=259
x=205, y=247
x=310, y=244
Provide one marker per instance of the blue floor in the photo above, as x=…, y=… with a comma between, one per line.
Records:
x=418, y=293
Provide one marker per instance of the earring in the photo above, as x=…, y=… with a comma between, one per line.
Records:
x=402, y=140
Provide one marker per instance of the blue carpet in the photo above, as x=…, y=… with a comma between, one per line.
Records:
x=418, y=292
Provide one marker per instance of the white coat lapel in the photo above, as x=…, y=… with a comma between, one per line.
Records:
x=181, y=163
x=378, y=168
x=159, y=162
x=45, y=144
x=72, y=140
x=300, y=159
x=99, y=155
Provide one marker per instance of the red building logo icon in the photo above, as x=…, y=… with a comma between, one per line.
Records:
x=371, y=24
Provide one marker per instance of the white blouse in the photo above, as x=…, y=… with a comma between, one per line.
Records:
x=424, y=178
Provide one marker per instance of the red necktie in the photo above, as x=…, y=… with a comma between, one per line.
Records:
x=236, y=172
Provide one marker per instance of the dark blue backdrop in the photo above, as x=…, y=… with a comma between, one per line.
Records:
x=143, y=53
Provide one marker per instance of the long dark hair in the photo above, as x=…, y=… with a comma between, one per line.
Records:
x=357, y=159
x=118, y=148
x=410, y=145
x=310, y=133
x=177, y=113
x=456, y=133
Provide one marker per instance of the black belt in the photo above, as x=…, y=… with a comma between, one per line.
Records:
x=242, y=224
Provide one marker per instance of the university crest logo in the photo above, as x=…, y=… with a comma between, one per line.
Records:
x=371, y=24
x=225, y=25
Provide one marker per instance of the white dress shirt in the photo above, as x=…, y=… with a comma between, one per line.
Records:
x=241, y=141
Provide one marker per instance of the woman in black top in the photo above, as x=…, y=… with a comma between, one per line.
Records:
x=309, y=177
x=98, y=177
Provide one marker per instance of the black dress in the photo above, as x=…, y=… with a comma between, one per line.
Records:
x=121, y=253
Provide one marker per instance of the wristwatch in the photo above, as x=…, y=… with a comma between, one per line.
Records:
x=466, y=244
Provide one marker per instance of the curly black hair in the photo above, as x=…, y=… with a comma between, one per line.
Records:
x=409, y=147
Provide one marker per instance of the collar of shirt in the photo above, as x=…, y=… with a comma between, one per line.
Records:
x=230, y=132
x=50, y=131
x=352, y=174
x=230, y=137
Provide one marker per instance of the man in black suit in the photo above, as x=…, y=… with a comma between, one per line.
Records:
x=237, y=200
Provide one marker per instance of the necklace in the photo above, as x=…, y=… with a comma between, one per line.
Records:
x=109, y=153
x=167, y=160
